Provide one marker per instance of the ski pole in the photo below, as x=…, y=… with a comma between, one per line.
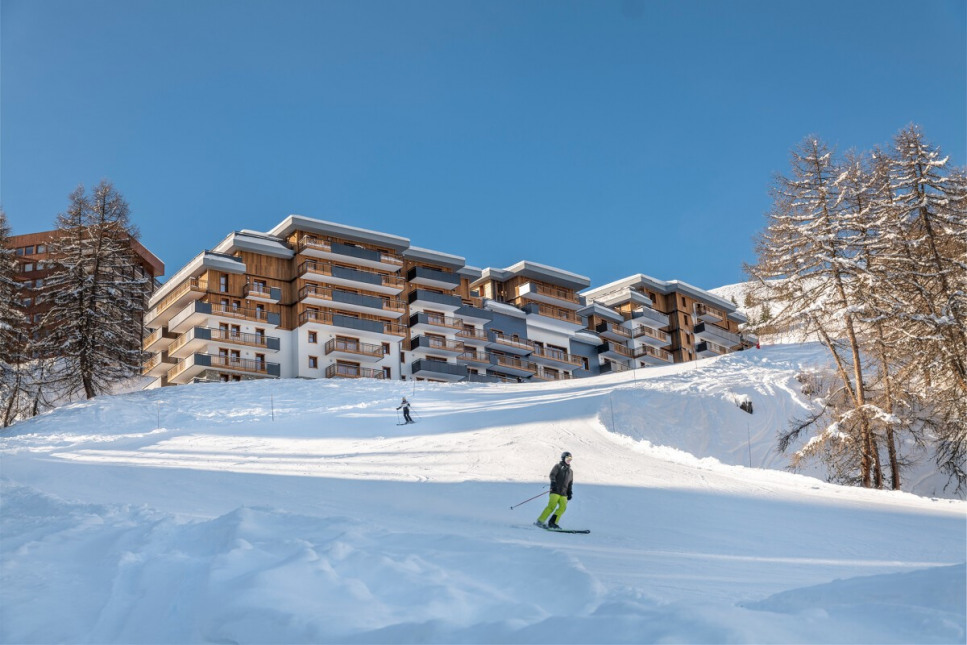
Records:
x=528, y=500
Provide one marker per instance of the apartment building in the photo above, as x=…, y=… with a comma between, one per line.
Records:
x=645, y=322
x=32, y=251
x=317, y=299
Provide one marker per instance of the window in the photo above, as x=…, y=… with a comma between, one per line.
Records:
x=223, y=283
x=260, y=362
x=235, y=356
x=387, y=373
x=260, y=336
x=28, y=267
x=236, y=331
x=313, y=337
x=386, y=349
x=313, y=362
x=41, y=249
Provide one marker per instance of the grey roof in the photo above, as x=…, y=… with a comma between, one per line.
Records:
x=257, y=243
x=435, y=257
x=321, y=227
x=536, y=271
x=660, y=286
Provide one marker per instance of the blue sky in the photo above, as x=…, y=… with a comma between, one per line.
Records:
x=605, y=138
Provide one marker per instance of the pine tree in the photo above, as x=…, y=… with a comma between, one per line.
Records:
x=98, y=291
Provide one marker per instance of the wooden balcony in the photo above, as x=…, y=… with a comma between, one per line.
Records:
x=654, y=355
x=548, y=294
x=341, y=370
x=363, y=323
x=190, y=289
x=354, y=349
x=552, y=375
x=516, y=345
x=373, y=303
x=349, y=253
x=545, y=355
x=651, y=336
x=353, y=277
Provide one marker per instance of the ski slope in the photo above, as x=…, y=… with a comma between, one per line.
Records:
x=299, y=512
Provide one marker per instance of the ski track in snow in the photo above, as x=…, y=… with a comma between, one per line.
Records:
x=295, y=511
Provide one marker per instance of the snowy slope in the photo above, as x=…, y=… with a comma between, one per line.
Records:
x=297, y=511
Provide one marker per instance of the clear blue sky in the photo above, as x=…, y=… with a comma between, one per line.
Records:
x=605, y=138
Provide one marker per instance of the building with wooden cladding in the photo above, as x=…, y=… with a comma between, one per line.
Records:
x=643, y=322
x=317, y=299
x=34, y=262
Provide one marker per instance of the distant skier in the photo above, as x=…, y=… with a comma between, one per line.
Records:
x=405, y=406
x=561, y=480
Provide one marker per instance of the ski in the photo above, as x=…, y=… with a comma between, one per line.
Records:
x=582, y=531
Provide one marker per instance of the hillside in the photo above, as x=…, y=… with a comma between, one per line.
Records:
x=298, y=511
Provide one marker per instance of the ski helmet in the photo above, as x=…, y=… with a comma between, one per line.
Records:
x=565, y=455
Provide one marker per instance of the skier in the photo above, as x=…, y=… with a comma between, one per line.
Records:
x=561, y=480
x=405, y=405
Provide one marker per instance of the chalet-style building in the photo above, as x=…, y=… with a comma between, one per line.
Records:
x=317, y=299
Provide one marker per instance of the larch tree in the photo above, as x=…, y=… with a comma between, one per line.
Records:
x=808, y=268
x=869, y=254
x=13, y=337
x=97, y=292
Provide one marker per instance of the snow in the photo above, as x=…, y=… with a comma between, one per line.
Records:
x=296, y=511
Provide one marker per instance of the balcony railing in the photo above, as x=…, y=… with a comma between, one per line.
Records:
x=654, y=352
x=340, y=370
x=262, y=292
x=436, y=320
x=520, y=343
x=515, y=363
x=557, y=355
x=351, y=273
x=362, y=323
x=555, y=292
x=253, y=365
x=549, y=311
x=349, y=250
x=615, y=329
x=354, y=347
x=191, y=284
x=370, y=301
x=642, y=330
x=476, y=357
x=704, y=312
x=473, y=334
x=553, y=375
x=441, y=344
x=244, y=338
x=244, y=313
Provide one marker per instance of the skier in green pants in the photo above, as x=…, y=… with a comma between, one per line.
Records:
x=561, y=480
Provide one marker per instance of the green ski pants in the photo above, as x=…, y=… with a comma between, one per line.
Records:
x=558, y=502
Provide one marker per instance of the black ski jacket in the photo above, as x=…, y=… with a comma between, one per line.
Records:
x=561, y=479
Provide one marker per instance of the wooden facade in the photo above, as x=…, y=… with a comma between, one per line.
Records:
x=316, y=299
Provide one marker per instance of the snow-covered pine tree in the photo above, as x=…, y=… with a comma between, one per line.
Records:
x=97, y=291
x=807, y=268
